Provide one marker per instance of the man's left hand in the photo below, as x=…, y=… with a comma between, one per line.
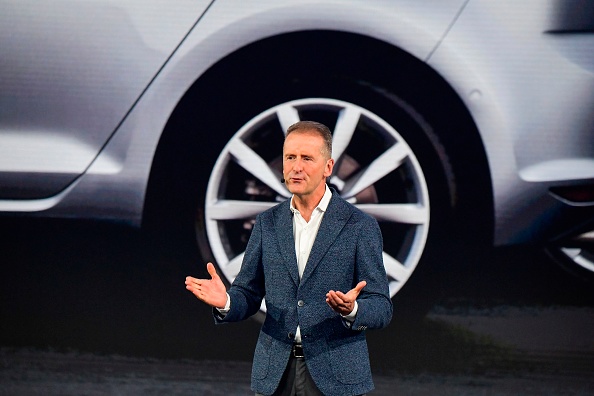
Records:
x=344, y=303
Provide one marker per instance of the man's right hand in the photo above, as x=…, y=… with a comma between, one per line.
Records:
x=211, y=291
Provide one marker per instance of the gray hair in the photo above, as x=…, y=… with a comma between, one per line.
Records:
x=319, y=129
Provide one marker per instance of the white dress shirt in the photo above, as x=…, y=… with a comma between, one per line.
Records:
x=305, y=234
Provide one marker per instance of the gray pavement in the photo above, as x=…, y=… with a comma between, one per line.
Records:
x=542, y=351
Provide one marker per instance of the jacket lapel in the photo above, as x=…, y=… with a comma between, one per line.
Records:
x=332, y=224
x=283, y=224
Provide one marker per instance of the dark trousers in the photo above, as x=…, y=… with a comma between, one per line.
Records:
x=296, y=380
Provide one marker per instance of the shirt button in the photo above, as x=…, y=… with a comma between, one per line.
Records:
x=300, y=303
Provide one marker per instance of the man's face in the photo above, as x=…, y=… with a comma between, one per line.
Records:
x=304, y=166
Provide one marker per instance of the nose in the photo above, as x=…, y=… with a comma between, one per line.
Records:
x=296, y=166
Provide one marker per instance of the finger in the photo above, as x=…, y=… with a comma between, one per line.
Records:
x=360, y=286
x=343, y=298
x=333, y=303
x=212, y=271
x=330, y=298
x=193, y=290
x=339, y=306
x=341, y=301
x=332, y=295
x=192, y=285
x=334, y=299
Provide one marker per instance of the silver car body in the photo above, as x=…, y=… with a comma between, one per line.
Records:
x=87, y=88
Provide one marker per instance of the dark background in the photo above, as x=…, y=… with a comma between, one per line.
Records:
x=110, y=289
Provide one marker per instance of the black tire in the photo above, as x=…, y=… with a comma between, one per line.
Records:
x=197, y=136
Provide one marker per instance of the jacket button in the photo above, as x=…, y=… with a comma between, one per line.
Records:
x=291, y=335
x=300, y=303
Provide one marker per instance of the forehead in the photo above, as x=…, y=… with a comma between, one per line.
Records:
x=303, y=141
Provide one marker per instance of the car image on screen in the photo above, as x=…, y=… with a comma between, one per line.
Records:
x=456, y=123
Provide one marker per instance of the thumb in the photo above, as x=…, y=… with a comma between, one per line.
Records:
x=360, y=286
x=212, y=271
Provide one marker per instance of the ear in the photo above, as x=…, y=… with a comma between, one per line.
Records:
x=329, y=167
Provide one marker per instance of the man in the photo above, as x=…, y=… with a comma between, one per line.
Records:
x=318, y=261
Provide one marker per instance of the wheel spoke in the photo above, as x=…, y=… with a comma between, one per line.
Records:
x=380, y=167
x=394, y=269
x=231, y=269
x=226, y=209
x=397, y=213
x=253, y=163
x=348, y=118
x=576, y=254
x=287, y=116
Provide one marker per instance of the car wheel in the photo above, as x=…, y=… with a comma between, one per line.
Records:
x=246, y=180
x=576, y=255
x=406, y=152
x=378, y=169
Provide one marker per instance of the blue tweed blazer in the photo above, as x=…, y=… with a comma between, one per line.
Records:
x=347, y=249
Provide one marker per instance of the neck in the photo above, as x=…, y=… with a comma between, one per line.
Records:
x=306, y=204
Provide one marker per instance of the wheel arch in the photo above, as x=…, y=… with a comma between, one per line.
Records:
x=363, y=59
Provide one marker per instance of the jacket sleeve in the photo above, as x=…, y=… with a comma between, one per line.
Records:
x=247, y=291
x=375, y=305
